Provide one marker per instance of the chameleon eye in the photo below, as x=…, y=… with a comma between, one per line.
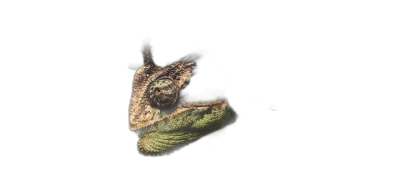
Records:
x=163, y=93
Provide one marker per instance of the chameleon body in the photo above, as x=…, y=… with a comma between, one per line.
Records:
x=154, y=109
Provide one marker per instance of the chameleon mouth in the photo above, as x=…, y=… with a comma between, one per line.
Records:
x=149, y=115
x=177, y=112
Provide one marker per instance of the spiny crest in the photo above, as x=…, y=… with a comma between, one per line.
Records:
x=147, y=56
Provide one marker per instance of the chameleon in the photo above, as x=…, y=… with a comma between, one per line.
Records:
x=164, y=122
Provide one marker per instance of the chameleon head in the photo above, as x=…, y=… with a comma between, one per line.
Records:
x=156, y=88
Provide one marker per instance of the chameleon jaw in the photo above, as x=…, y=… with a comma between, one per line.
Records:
x=146, y=120
x=152, y=115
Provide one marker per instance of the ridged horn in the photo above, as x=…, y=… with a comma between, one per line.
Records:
x=147, y=56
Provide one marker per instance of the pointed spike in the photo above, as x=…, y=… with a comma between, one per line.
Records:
x=147, y=56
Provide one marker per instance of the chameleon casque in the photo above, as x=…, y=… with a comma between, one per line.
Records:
x=163, y=122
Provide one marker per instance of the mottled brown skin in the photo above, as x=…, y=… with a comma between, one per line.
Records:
x=156, y=88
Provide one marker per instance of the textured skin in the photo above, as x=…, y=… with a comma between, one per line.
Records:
x=156, y=88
